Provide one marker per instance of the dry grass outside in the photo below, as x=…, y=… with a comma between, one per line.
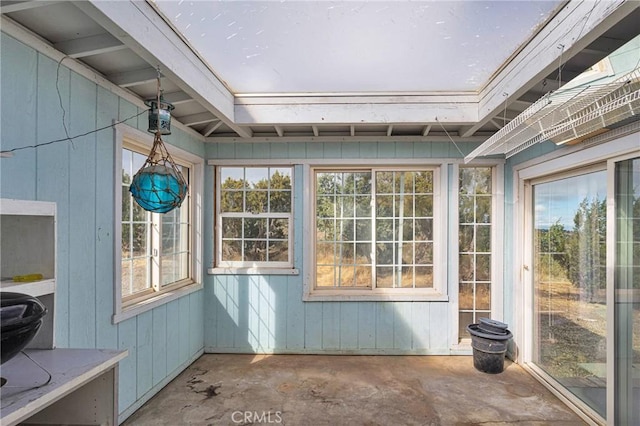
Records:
x=571, y=330
x=361, y=276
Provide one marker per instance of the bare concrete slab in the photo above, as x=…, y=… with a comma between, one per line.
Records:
x=350, y=390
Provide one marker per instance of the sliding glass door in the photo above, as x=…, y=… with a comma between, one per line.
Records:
x=569, y=283
x=627, y=292
x=585, y=286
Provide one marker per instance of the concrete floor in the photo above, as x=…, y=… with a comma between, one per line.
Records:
x=350, y=390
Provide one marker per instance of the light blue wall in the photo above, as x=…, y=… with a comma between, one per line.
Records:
x=266, y=314
x=79, y=177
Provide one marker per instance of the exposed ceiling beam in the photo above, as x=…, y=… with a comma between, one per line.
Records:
x=426, y=130
x=139, y=26
x=279, y=131
x=17, y=6
x=211, y=128
x=495, y=123
x=352, y=130
x=316, y=133
x=195, y=119
x=87, y=46
x=603, y=46
x=177, y=97
x=390, y=130
x=135, y=77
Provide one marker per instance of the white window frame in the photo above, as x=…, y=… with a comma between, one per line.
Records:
x=251, y=268
x=436, y=293
x=130, y=138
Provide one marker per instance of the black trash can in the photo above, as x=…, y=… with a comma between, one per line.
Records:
x=489, y=341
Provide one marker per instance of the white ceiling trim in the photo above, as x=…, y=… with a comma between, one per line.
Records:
x=359, y=113
x=143, y=30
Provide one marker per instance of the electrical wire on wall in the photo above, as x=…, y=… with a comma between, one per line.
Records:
x=68, y=138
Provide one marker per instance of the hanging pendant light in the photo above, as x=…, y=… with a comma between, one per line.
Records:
x=159, y=185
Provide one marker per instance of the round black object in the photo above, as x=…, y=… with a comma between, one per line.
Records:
x=492, y=326
x=488, y=349
x=20, y=319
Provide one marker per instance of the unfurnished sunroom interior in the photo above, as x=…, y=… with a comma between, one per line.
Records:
x=364, y=178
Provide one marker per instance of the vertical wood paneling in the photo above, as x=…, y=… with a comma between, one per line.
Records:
x=278, y=300
x=210, y=316
x=439, y=326
x=422, y=150
x=82, y=118
x=127, y=368
x=404, y=150
x=348, y=325
x=173, y=335
x=386, y=150
x=196, y=334
x=440, y=149
x=330, y=325
x=52, y=177
x=260, y=150
x=159, y=339
x=402, y=326
x=184, y=329
x=420, y=324
x=19, y=94
x=278, y=150
x=366, y=325
x=107, y=109
x=313, y=326
x=79, y=177
x=350, y=150
x=294, y=314
x=225, y=325
x=144, y=353
x=227, y=150
x=384, y=325
x=368, y=149
x=297, y=150
x=315, y=150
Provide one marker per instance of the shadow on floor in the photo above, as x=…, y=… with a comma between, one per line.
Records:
x=354, y=390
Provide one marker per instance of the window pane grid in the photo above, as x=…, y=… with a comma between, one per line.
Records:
x=474, y=246
x=388, y=246
x=255, y=215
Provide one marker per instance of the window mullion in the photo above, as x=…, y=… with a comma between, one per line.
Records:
x=374, y=278
x=156, y=243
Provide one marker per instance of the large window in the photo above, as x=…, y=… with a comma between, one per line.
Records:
x=374, y=230
x=254, y=217
x=156, y=254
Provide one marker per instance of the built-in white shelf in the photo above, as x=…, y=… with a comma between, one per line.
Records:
x=35, y=288
x=28, y=246
x=83, y=388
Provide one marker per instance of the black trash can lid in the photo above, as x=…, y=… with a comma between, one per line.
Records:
x=493, y=323
x=488, y=325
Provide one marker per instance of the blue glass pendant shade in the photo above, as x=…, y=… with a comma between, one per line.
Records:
x=158, y=189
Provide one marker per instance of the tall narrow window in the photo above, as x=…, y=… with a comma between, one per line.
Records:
x=475, y=223
x=156, y=248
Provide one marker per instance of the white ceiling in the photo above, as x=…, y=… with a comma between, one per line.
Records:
x=260, y=47
x=303, y=70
